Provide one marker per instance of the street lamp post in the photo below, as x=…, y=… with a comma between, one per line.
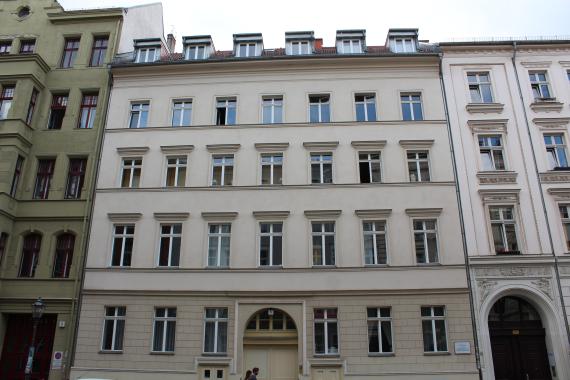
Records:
x=38, y=308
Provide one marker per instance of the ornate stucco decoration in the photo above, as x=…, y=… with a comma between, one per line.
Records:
x=514, y=271
x=547, y=106
x=493, y=177
x=485, y=107
x=550, y=123
x=544, y=285
x=560, y=194
x=485, y=287
x=489, y=125
x=537, y=65
x=499, y=195
x=555, y=176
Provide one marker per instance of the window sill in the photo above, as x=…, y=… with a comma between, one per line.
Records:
x=429, y=264
x=375, y=265
x=555, y=176
x=546, y=105
x=509, y=253
x=485, y=107
x=442, y=353
x=381, y=354
x=496, y=176
x=270, y=267
x=327, y=356
x=323, y=266
x=166, y=353
x=110, y=352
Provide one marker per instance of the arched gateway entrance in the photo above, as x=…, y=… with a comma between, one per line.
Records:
x=518, y=341
x=270, y=343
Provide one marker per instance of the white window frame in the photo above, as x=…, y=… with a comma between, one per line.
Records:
x=138, y=107
x=248, y=50
x=325, y=321
x=167, y=320
x=480, y=83
x=196, y=48
x=374, y=233
x=218, y=235
x=272, y=163
x=171, y=235
x=417, y=162
x=271, y=235
x=535, y=82
x=276, y=102
x=228, y=103
x=177, y=165
x=379, y=319
x=115, y=318
x=321, y=162
x=130, y=168
x=143, y=54
x=425, y=231
x=504, y=221
x=432, y=318
x=300, y=46
x=370, y=161
x=491, y=149
x=323, y=234
x=225, y=163
x=404, y=45
x=565, y=221
x=369, y=98
x=409, y=100
x=320, y=104
x=124, y=236
x=552, y=148
x=216, y=320
x=184, y=106
x=351, y=46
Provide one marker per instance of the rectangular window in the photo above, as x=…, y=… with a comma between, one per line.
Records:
x=565, y=218
x=57, y=111
x=75, y=178
x=404, y=45
x=365, y=107
x=123, y=239
x=418, y=166
x=195, y=52
x=6, y=99
x=319, y=109
x=321, y=168
x=351, y=47
x=369, y=166
x=3, y=244
x=246, y=50
x=216, y=331
x=272, y=109
x=323, y=237
x=433, y=328
x=5, y=47
x=176, y=171
x=43, y=178
x=113, y=328
x=182, y=113
x=539, y=85
x=226, y=111
x=170, y=238
x=425, y=241
x=480, y=87
x=272, y=169
x=131, y=172
x=139, y=115
x=326, y=332
x=219, y=236
x=222, y=170
x=164, y=329
x=504, y=229
x=98, y=51
x=17, y=175
x=379, y=330
x=300, y=48
x=32, y=106
x=87, y=111
x=147, y=55
x=63, y=255
x=70, y=49
x=27, y=46
x=30, y=255
x=491, y=152
x=375, y=252
x=556, y=151
x=411, y=107
x=270, y=244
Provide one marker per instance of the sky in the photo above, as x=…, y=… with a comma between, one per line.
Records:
x=437, y=20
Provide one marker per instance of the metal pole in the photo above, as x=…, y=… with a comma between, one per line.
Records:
x=31, y=352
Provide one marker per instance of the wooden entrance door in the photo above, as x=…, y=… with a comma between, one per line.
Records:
x=17, y=341
x=275, y=362
x=519, y=351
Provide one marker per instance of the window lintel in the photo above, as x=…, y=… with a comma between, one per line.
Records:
x=171, y=216
x=223, y=148
x=177, y=148
x=271, y=215
x=219, y=215
x=319, y=214
x=424, y=212
x=416, y=144
x=271, y=147
x=369, y=144
x=124, y=217
x=374, y=213
x=321, y=144
x=132, y=150
x=508, y=196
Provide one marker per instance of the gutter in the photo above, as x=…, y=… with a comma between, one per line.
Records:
x=461, y=223
x=541, y=191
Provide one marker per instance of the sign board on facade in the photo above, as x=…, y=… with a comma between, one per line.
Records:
x=462, y=348
x=57, y=360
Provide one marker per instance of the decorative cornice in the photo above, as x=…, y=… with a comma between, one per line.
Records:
x=551, y=122
x=416, y=144
x=177, y=148
x=499, y=195
x=213, y=361
x=26, y=58
x=546, y=106
x=489, y=125
x=225, y=148
x=167, y=216
x=320, y=145
x=485, y=107
x=424, y=212
x=560, y=194
x=132, y=150
x=555, y=176
x=374, y=213
x=564, y=63
x=537, y=65
x=267, y=215
x=318, y=214
x=370, y=144
x=124, y=217
x=222, y=215
x=493, y=177
x=271, y=147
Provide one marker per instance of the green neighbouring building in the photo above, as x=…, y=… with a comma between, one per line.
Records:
x=54, y=88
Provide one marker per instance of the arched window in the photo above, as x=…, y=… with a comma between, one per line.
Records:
x=513, y=309
x=271, y=319
x=63, y=255
x=30, y=255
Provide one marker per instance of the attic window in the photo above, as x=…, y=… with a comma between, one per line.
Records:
x=351, y=47
x=146, y=55
x=246, y=49
x=300, y=47
x=196, y=52
x=404, y=45
x=24, y=12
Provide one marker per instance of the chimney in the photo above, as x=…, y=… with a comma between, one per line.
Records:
x=170, y=42
x=318, y=43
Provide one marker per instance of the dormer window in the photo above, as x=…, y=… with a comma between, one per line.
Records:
x=248, y=45
x=351, y=47
x=147, y=55
x=404, y=45
x=196, y=52
x=246, y=50
x=198, y=47
x=403, y=40
x=300, y=47
x=351, y=41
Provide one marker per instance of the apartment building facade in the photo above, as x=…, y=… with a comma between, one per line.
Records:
x=290, y=209
x=509, y=114
x=54, y=85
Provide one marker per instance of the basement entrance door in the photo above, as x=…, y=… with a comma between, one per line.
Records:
x=17, y=341
x=517, y=341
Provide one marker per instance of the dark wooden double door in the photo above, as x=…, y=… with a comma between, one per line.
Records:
x=16, y=345
x=519, y=351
